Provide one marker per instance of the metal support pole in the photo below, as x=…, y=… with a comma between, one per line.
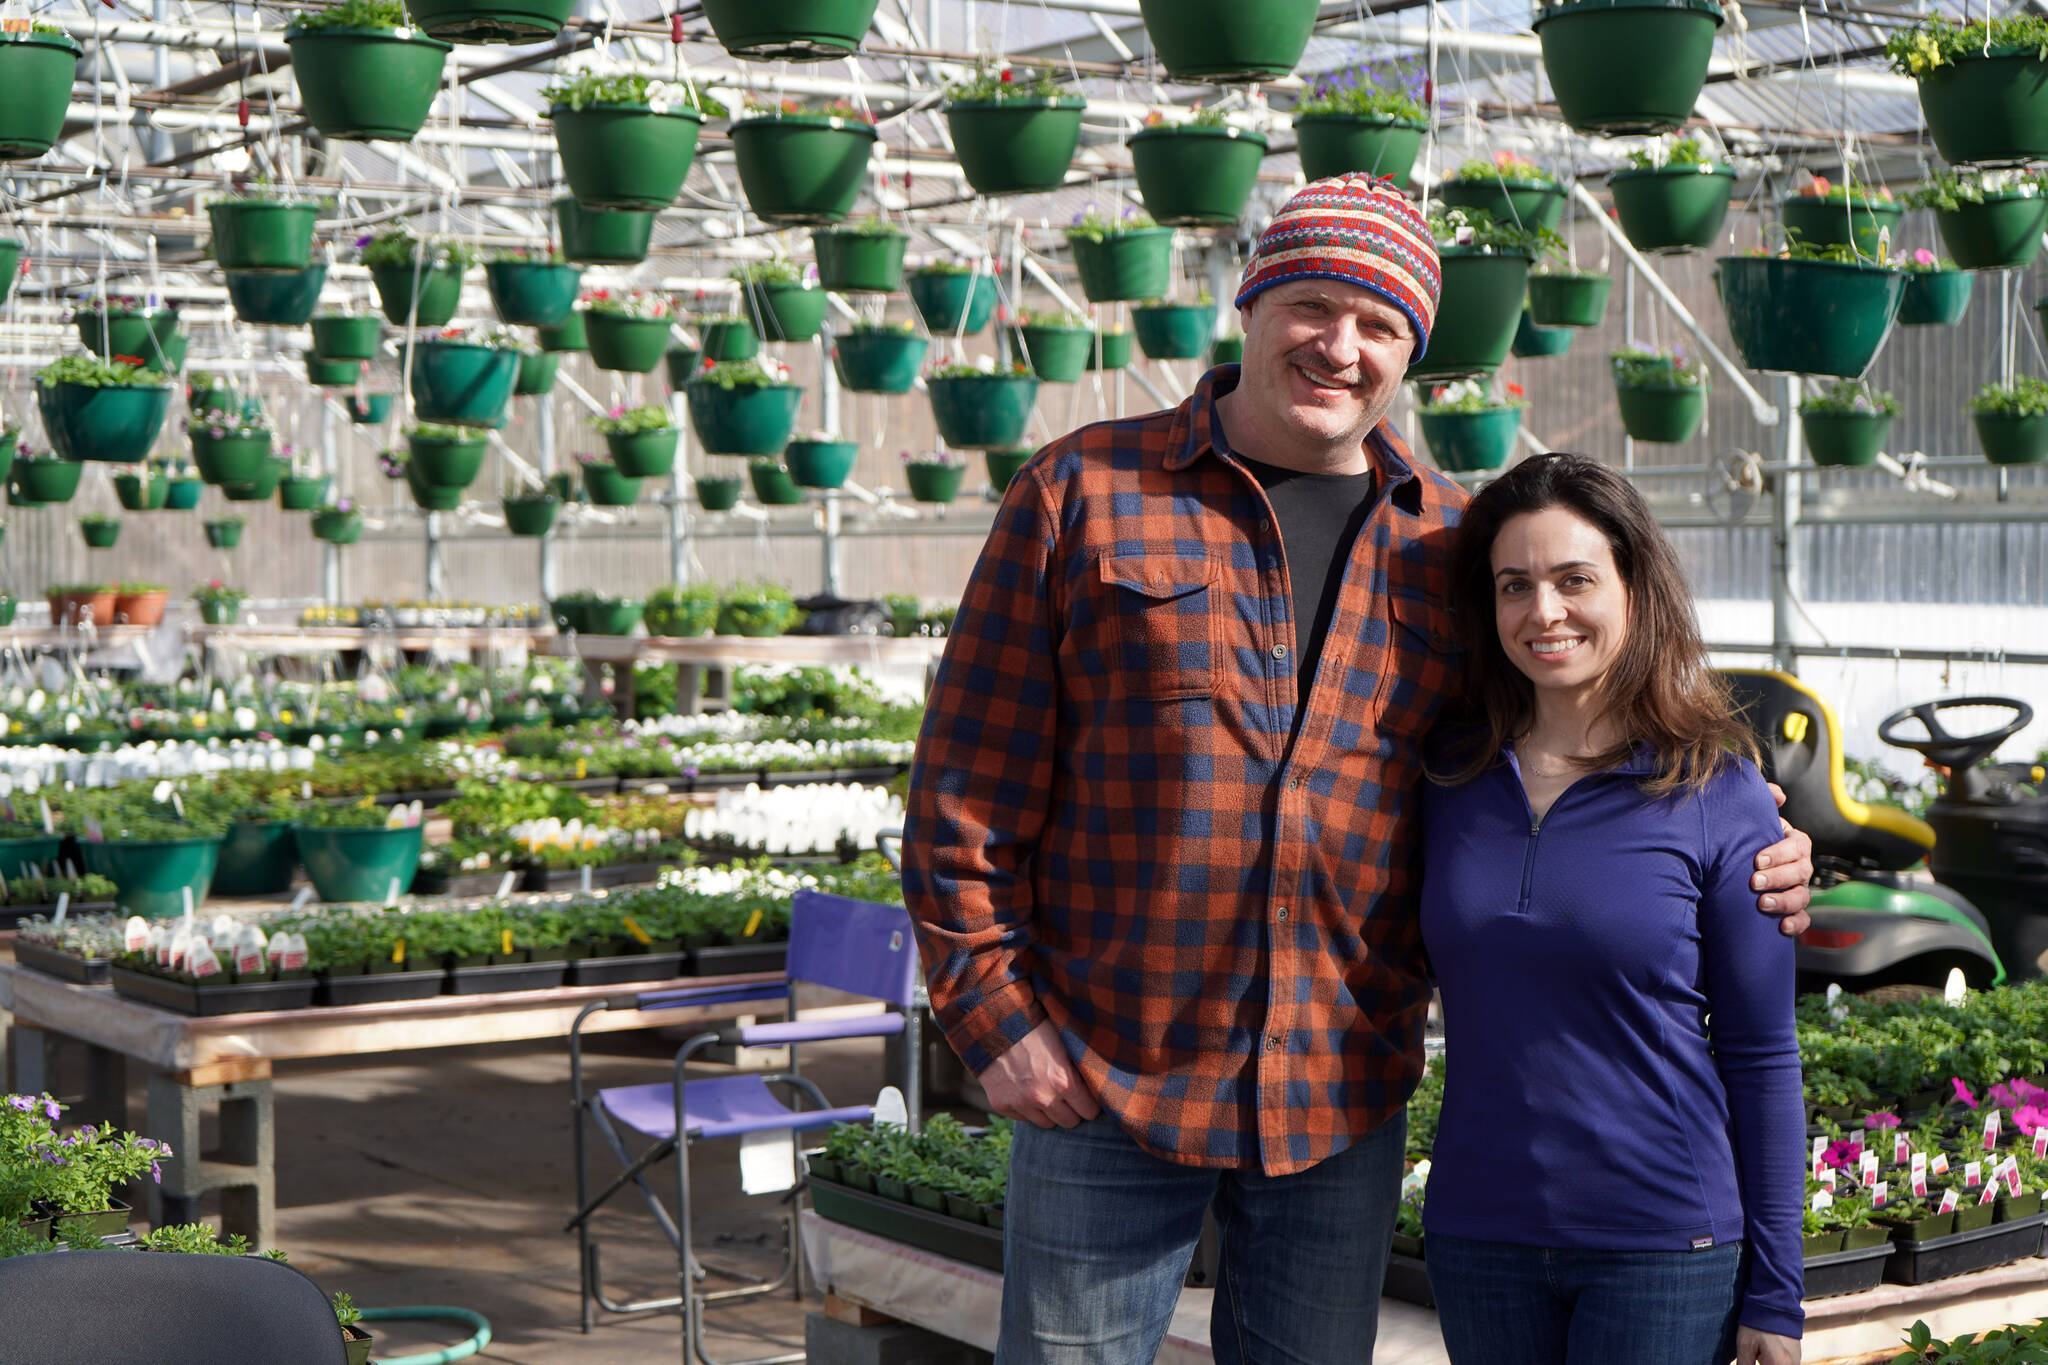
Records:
x=678, y=530
x=434, y=588
x=544, y=457
x=828, y=407
x=829, y=534
x=330, y=465
x=1787, y=576
x=1628, y=332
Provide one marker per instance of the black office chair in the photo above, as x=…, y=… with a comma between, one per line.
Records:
x=158, y=1308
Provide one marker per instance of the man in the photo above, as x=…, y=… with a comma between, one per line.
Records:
x=1161, y=831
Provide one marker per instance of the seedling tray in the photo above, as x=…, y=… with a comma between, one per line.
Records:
x=187, y=998
x=973, y=1243
x=86, y=971
x=571, y=878
x=13, y=916
x=625, y=967
x=507, y=976
x=380, y=987
x=467, y=884
x=735, y=959
x=1846, y=1272
x=1408, y=1280
x=1978, y=1249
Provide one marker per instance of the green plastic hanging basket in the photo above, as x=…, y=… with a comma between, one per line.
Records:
x=1227, y=42
x=730, y=340
x=152, y=876
x=531, y=516
x=536, y=373
x=36, y=73
x=490, y=21
x=568, y=335
x=1568, y=300
x=625, y=156
x=182, y=495
x=1350, y=144
x=223, y=535
x=432, y=497
x=1988, y=107
x=1057, y=355
x=1174, y=331
x=619, y=342
x=261, y=488
x=462, y=384
x=934, y=483
x=643, y=454
x=788, y=312
x=346, y=336
x=1461, y=442
x=259, y=234
x=332, y=374
x=446, y=463
x=1672, y=208
x=682, y=364
x=99, y=535
x=1845, y=440
x=532, y=293
x=438, y=289
x=113, y=424
x=1112, y=351
x=1935, y=298
x=358, y=864
x=2001, y=233
x=746, y=419
x=1198, y=176
x=947, y=299
x=133, y=334
x=1016, y=146
x=820, y=464
x=859, y=262
x=257, y=858
x=368, y=410
x=791, y=30
x=1226, y=351
x=878, y=362
x=1857, y=222
x=10, y=266
x=607, y=487
x=1808, y=317
x=1533, y=204
x=303, y=492
x=1003, y=465
x=594, y=236
x=1480, y=308
x=366, y=84
x=138, y=493
x=773, y=486
x=1668, y=413
x=802, y=169
x=718, y=495
x=231, y=458
x=1532, y=341
x=337, y=527
x=983, y=412
x=1125, y=266
x=2011, y=440
x=41, y=482
x=1627, y=66
x=271, y=298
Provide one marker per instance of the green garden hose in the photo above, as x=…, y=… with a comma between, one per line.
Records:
x=456, y=1352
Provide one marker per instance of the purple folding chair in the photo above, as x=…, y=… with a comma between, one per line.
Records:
x=853, y=946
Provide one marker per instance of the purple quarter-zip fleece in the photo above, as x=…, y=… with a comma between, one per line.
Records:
x=1622, y=1072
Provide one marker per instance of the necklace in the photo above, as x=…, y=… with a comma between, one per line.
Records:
x=1571, y=764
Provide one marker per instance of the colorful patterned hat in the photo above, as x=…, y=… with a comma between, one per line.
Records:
x=1359, y=229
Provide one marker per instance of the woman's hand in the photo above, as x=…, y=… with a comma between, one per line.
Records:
x=1763, y=1348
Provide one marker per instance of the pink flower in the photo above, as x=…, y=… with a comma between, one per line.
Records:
x=1963, y=1091
x=1843, y=1153
x=1881, y=1119
x=2030, y=1118
x=1922, y=256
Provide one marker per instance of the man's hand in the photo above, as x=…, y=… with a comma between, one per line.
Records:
x=1035, y=1083
x=1783, y=870
x=1764, y=1348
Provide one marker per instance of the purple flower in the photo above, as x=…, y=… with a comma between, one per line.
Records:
x=689, y=770
x=52, y=1108
x=22, y=1102
x=363, y=241
x=156, y=1172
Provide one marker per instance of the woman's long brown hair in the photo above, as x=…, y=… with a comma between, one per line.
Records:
x=1661, y=688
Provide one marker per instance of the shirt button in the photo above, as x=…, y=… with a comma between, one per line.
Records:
x=1279, y=651
x=1265, y=524
x=1273, y=1043
x=1283, y=912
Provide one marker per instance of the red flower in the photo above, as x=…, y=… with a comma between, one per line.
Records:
x=128, y=360
x=1006, y=75
x=1514, y=390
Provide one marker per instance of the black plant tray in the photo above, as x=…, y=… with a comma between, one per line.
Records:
x=86, y=971
x=1408, y=1280
x=466, y=884
x=1846, y=1272
x=186, y=998
x=1963, y=1252
x=571, y=878
x=506, y=976
x=735, y=959
x=625, y=967
x=973, y=1243
x=380, y=987
x=13, y=916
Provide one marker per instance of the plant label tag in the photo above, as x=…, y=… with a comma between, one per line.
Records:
x=2041, y=1140
x=202, y=962
x=1868, y=1169
x=1919, y=1165
x=585, y=879
x=1938, y=1163
x=187, y=890
x=2012, y=1179
x=1827, y=1176
x=1880, y=1193
x=505, y=942
x=1822, y=1201
x=305, y=791
x=49, y=825
x=1820, y=1149
x=1973, y=1174
x=1948, y=1201
x=1991, y=1130
x=753, y=923
x=135, y=934
x=93, y=832
x=641, y=935
x=1920, y=1184
x=294, y=955
x=391, y=894
x=505, y=884
x=63, y=904
x=299, y=899
x=1990, y=1193
x=1902, y=1150
x=398, y=952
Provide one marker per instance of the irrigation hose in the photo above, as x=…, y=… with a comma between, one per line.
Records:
x=459, y=1351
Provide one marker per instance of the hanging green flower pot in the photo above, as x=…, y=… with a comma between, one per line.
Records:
x=215, y=397
x=1112, y=351
x=1174, y=331
x=681, y=362
x=431, y=497
x=1461, y=442
x=934, y=483
x=619, y=342
x=1627, y=66
x=594, y=236
x=171, y=354
x=119, y=333
x=36, y=72
x=182, y=495
x=1667, y=414
x=232, y=457
x=272, y=298
x=489, y=21
x=2011, y=440
x=303, y=492
x=445, y=461
x=536, y=373
x=1532, y=341
x=1125, y=266
x=1057, y=355
x=532, y=293
x=337, y=527
x=368, y=410
x=1228, y=41
x=462, y=384
x=643, y=454
x=425, y=296
x=947, y=299
x=1341, y=144
x=224, y=534
x=718, y=495
x=1530, y=204
x=40, y=482
x=152, y=876
x=790, y=31
x=1004, y=464
x=257, y=858
x=625, y=156
x=1935, y=298
x=262, y=234
x=2001, y=233
x=366, y=84
x=10, y=266
x=1989, y=105
x=332, y=374
x=855, y=262
x=533, y=515
x=1226, y=351
x=1564, y=299
x=730, y=339
x=1808, y=317
x=878, y=361
x=801, y=168
x=142, y=492
x=773, y=486
x=607, y=487
x=1196, y=175
x=262, y=487
x=1858, y=222
x=358, y=864
x=1847, y=440
x=820, y=464
x=347, y=336
x=111, y=424
x=982, y=411
x=746, y=419
x=788, y=312
x=1672, y=208
x=1016, y=146
x=1480, y=308
x=568, y=335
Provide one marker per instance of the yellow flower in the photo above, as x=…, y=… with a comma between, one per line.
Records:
x=285, y=716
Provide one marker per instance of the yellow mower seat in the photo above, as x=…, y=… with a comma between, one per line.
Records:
x=1801, y=740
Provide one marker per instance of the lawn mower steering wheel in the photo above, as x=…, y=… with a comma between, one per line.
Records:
x=1955, y=751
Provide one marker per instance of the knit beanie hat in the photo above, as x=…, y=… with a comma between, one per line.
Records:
x=1359, y=229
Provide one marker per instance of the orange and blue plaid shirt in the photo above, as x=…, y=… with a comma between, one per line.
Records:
x=1113, y=824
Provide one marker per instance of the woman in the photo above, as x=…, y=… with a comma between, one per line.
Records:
x=1617, y=1178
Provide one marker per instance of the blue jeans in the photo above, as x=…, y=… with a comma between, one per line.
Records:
x=1098, y=1234
x=1502, y=1304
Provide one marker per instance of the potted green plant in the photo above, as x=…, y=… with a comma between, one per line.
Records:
x=681, y=362
x=595, y=236
x=140, y=604
x=981, y=407
x=1988, y=220
x=74, y=604
x=339, y=335
x=773, y=486
x=37, y=68
x=1846, y=424
x=224, y=533
x=756, y=609
x=298, y=492
x=124, y=326
x=567, y=335
x=1937, y=292
x=491, y=21
x=1981, y=85
x=861, y=257
x=1227, y=41
x=627, y=329
x=1511, y=190
x=100, y=530
x=820, y=460
x=605, y=486
x=593, y=613
x=1112, y=349
x=953, y=299
x=1634, y=68
x=1054, y=343
x=1469, y=427
x=1003, y=465
x=537, y=371
x=626, y=140
x=774, y=294
x=445, y=456
x=1560, y=295
x=934, y=476
x=1824, y=214
x=1175, y=331
x=879, y=357
x=1120, y=258
x=465, y=376
x=219, y=604
x=268, y=476
x=230, y=444
x=103, y=410
x=743, y=408
x=1196, y=173
x=1013, y=136
x=684, y=610
x=1662, y=394
x=1485, y=273
x=1363, y=119
x=41, y=477
x=182, y=488
x=532, y=513
x=718, y=494
x=641, y=441
x=153, y=855
x=802, y=163
x=364, y=74
x=530, y=286
x=2012, y=421
x=1809, y=310
x=143, y=489
x=1673, y=203
x=419, y=284
x=338, y=523
x=358, y=851
x=323, y=373
x=727, y=336
x=262, y=227
x=276, y=298
x=808, y=31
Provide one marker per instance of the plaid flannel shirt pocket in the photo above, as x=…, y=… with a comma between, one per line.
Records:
x=1426, y=668
x=1163, y=614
